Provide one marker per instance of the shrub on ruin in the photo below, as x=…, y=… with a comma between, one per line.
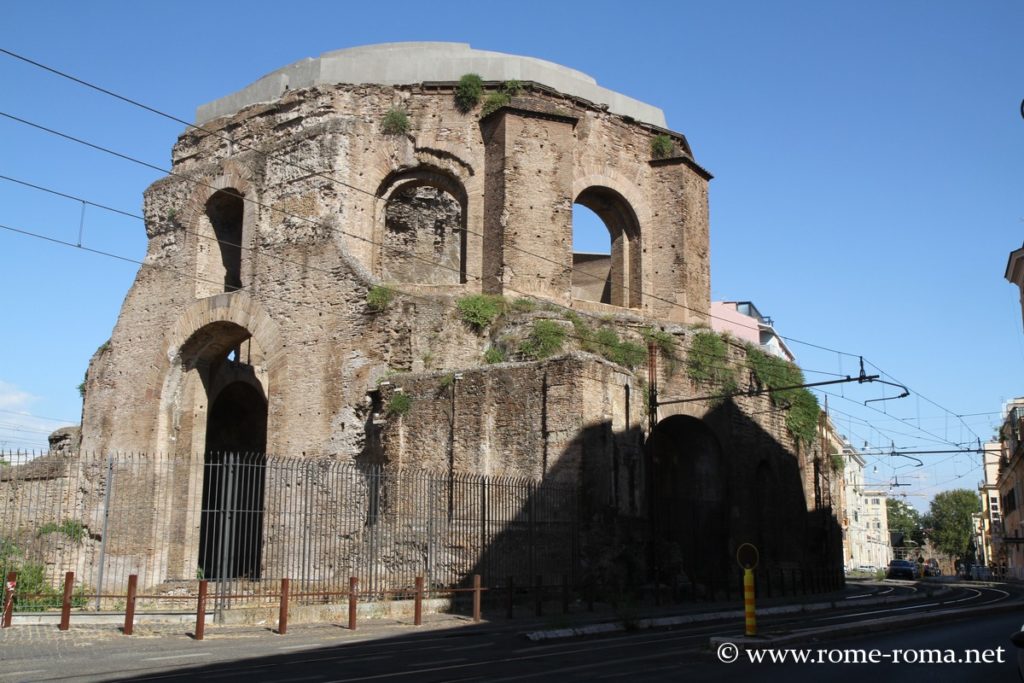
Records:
x=545, y=340
x=395, y=122
x=512, y=87
x=379, y=298
x=400, y=404
x=468, y=92
x=480, y=310
x=802, y=409
x=707, y=361
x=662, y=146
x=494, y=355
x=494, y=102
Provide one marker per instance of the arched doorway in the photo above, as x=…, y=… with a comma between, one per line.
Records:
x=689, y=506
x=228, y=383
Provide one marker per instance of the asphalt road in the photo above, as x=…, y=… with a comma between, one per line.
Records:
x=488, y=652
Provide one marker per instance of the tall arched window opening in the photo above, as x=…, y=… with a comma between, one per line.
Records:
x=606, y=268
x=424, y=239
x=225, y=210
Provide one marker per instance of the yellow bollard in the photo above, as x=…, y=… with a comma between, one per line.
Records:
x=748, y=601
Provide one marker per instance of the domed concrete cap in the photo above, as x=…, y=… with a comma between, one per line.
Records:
x=409, y=63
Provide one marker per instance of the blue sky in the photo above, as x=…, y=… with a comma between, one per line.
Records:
x=867, y=160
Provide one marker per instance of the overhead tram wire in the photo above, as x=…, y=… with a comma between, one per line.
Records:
x=331, y=179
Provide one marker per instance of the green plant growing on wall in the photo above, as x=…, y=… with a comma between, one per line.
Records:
x=512, y=87
x=71, y=528
x=707, y=360
x=480, y=310
x=494, y=355
x=523, y=305
x=545, y=340
x=838, y=462
x=662, y=146
x=379, y=298
x=395, y=122
x=666, y=343
x=468, y=92
x=493, y=102
x=399, y=404
x=772, y=372
x=607, y=343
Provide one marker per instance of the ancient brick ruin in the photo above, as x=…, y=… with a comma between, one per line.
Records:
x=253, y=325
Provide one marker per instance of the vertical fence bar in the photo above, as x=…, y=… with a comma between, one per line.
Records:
x=201, y=610
x=282, y=615
x=353, y=582
x=106, y=528
x=129, y=608
x=65, y=604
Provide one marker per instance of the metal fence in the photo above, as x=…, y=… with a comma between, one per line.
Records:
x=245, y=521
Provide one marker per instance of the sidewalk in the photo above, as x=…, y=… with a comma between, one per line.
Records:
x=87, y=628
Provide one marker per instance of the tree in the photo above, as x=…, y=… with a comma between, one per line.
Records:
x=950, y=517
x=904, y=519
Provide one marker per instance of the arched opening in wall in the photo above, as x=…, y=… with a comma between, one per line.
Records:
x=424, y=239
x=606, y=249
x=230, y=413
x=231, y=536
x=689, y=505
x=225, y=211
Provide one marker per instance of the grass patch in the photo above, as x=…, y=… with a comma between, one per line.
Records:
x=395, y=122
x=480, y=310
x=523, y=305
x=494, y=355
x=493, y=102
x=71, y=528
x=379, y=298
x=399, y=404
x=468, y=92
x=662, y=147
x=545, y=340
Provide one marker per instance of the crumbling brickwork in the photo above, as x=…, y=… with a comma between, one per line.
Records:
x=304, y=263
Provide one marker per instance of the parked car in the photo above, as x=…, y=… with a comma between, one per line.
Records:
x=904, y=569
x=931, y=568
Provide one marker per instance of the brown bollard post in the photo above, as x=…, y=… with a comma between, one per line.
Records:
x=352, y=583
x=539, y=594
x=65, y=604
x=9, y=585
x=129, y=607
x=417, y=614
x=476, y=597
x=201, y=611
x=511, y=597
x=282, y=616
